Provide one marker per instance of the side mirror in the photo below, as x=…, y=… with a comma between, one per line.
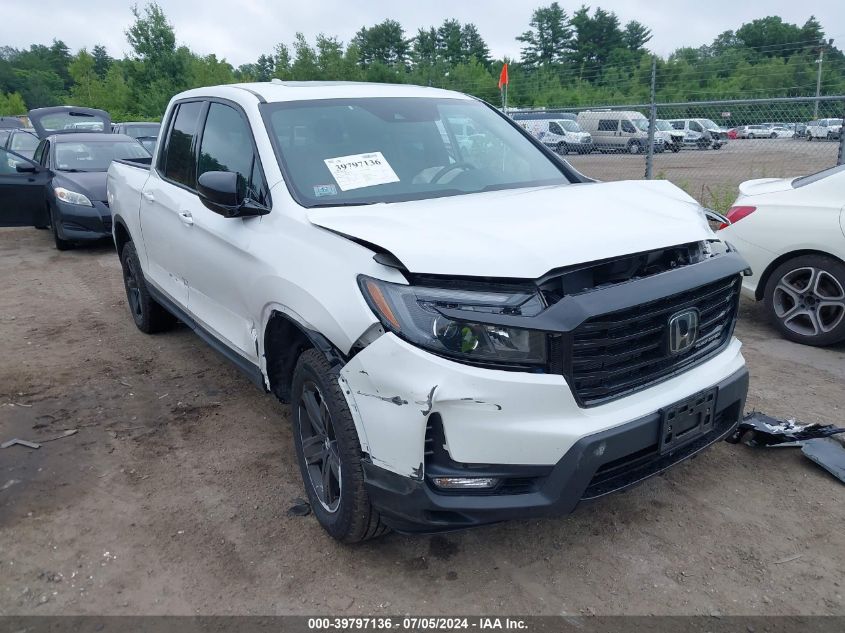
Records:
x=220, y=192
x=26, y=168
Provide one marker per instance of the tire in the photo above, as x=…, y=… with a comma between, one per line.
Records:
x=809, y=137
x=149, y=315
x=344, y=510
x=61, y=245
x=717, y=146
x=634, y=147
x=773, y=135
x=561, y=149
x=805, y=299
x=750, y=136
x=676, y=148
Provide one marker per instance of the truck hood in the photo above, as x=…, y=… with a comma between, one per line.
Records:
x=524, y=233
x=765, y=185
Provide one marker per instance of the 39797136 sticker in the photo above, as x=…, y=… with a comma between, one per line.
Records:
x=361, y=170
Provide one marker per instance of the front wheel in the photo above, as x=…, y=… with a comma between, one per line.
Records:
x=61, y=244
x=561, y=149
x=809, y=137
x=805, y=299
x=635, y=148
x=329, y=452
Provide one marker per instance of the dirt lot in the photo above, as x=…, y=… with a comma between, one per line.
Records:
x=712, y=176
x=172, y=497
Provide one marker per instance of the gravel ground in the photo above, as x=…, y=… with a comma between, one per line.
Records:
x=172, y=497
x=712, y=176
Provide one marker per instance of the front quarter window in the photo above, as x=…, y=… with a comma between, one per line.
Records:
x=337, y=152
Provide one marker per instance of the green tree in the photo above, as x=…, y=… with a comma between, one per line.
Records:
x=636, y=35
x=549, y=39
x=102, y=61
x=383, y=43
x=11, y=104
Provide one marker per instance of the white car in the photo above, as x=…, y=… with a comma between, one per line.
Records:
x=824, y=129
x=792, y=232
x=465, y=334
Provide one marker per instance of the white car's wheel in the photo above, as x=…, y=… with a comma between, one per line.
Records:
x=805, y=298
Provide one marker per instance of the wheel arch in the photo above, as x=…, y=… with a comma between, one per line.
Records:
x=759, y=292
x=120, y=233
x=284, y=341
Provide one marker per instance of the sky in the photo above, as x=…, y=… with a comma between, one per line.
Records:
x=241, y=30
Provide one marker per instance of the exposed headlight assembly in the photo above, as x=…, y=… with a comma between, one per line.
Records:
x=72, y=197
x=414, y=314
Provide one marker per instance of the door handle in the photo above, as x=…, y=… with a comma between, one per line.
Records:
x=186, y=217
x=148, y=196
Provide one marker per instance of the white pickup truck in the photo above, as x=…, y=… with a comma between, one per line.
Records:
x=466, y=333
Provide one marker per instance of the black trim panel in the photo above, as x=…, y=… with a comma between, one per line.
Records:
x=252, y=370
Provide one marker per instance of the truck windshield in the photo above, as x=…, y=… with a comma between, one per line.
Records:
x=337, y=152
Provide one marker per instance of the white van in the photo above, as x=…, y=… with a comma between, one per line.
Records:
x=619, y=131
x=824, y=128
x=561, y=135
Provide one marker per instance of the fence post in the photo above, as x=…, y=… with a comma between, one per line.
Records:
x=840, y=160
x=652, y=115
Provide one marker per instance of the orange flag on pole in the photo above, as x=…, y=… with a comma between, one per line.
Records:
x=503, y=77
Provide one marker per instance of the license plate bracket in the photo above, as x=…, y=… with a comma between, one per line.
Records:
x=687, y=420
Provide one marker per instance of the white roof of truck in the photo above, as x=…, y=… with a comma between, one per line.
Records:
x=279, y=91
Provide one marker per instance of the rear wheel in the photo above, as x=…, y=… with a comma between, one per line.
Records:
x=561, y=149
x=809, y=136
x=149, y=315
x=329, y=452
x=805, y=299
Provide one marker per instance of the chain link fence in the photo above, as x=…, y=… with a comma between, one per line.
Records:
x=707, y=147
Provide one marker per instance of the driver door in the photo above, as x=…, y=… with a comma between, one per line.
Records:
x=22, y=189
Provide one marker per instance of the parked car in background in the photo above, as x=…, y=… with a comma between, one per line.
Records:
x=21, y=141
x=792, y=232
x=673, y=139
x=700, y=133
x=22, y=190
x=800, y=130
x=753, y=131
x=76, y=204
x=824, y=129
x=561, y=135
x=779, y=131
x=455, y=348
x=623, y=131
x=733, y=133
x=145, y=132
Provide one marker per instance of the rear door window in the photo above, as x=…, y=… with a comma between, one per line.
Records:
x=177, y=159
x=608, y=125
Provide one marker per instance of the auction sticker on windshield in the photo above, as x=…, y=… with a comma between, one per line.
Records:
x=361, y=170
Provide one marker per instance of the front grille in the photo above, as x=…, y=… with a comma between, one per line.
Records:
x=614, y=354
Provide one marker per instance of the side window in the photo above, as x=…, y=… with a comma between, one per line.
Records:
x=554, y=128
x=608, y=125
x=227, y=146
x=695, y=127
x=178, y=157
x=9, y=163
x=628, y=127
x=678, y=125
x=38, y=157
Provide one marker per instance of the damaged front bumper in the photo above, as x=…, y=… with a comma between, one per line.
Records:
x=596, y=465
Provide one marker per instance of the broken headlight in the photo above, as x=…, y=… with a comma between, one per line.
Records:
x=414, y=313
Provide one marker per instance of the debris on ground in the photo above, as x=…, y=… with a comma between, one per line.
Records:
x=14, y=441
x=827, y=453
x=29, y=444
x=758, y=429
x=815, y=440
x=300, y=508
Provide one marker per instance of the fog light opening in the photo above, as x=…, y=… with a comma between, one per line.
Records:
x=456, y=483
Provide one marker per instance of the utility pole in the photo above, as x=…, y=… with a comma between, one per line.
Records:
x=652, y=116
x=819, y=61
